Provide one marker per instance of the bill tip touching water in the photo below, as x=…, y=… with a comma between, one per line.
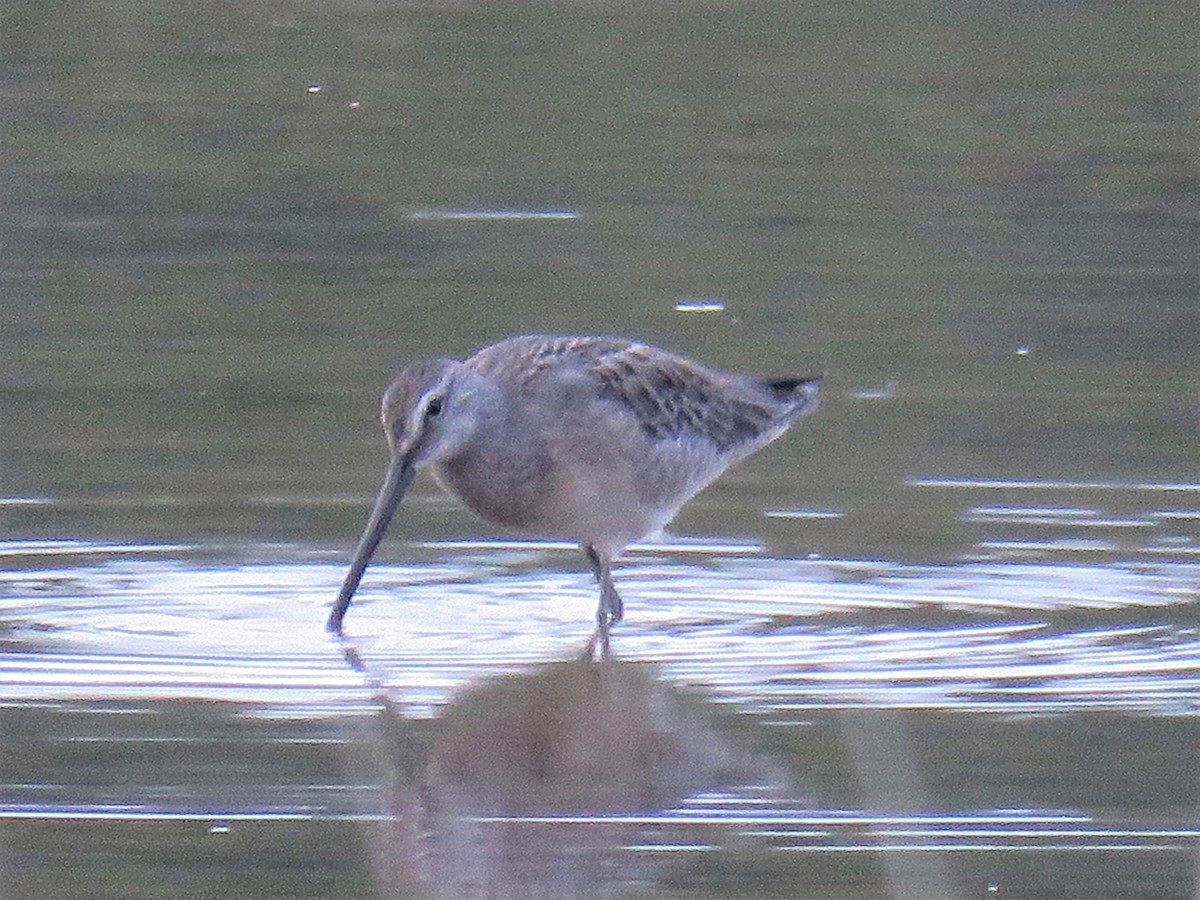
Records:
x=597, y=440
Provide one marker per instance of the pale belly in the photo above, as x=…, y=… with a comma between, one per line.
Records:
x=604, y=510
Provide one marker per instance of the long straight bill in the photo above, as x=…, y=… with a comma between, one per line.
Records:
x=399, y=476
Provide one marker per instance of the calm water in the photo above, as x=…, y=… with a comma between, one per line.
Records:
x=938, y=642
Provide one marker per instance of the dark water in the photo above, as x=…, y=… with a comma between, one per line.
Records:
x=940, y=641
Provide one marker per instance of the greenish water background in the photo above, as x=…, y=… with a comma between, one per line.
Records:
x=224, y=226
x=211, y=272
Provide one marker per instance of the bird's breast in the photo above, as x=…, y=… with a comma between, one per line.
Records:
x=576, y=503
x=505, y=495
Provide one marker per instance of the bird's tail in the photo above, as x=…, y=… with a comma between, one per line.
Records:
x=802, y=395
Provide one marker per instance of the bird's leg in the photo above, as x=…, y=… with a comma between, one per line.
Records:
x=611, y=608
x=597, y=642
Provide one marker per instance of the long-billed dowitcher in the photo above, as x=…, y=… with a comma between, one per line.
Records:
x=598, y=440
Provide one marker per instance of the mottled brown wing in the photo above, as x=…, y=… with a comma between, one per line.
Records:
x=528, y=357
x=671, y=396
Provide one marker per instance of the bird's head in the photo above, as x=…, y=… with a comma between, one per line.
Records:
x=428, y=413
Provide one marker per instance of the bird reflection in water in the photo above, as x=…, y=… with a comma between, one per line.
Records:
x=538, y=783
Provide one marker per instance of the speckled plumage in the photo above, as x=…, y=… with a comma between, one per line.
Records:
x=598, y=440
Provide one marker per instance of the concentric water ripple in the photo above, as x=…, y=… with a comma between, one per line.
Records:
x=768, y=634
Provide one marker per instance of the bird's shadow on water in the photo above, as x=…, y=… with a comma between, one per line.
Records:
x=539, y=781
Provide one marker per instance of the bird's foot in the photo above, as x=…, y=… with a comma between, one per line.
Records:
x=598, y=647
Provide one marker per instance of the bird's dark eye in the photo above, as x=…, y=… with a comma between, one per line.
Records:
x=434, y=407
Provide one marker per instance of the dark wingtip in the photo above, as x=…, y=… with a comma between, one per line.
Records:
x=786, y=388
x=799, y=396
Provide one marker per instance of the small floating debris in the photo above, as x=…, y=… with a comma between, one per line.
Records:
x=355, y=104
x=802, y=514
x=700, y=306
x=1023, y=350
x=484, y=215
x=886, y=392
x=315, y=88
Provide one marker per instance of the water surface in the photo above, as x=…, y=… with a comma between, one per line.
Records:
x=758, y=709
x=938, y=642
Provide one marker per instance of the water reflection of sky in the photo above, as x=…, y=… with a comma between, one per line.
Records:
x=768, y=635
x=707, y=824
x=114, y=655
